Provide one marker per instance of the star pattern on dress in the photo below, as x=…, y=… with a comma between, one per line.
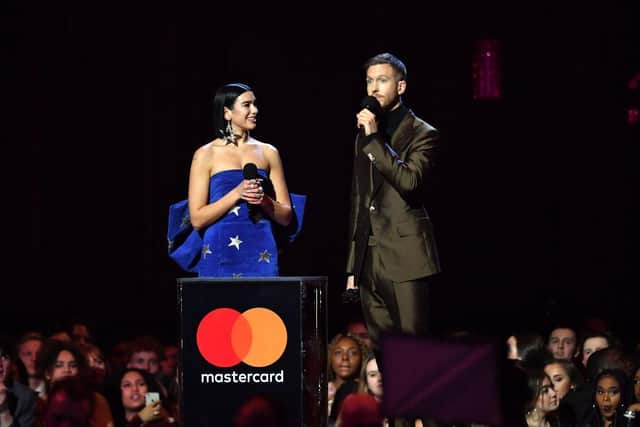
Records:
x=235, y=210
x=236, y=275
x=206, y=250
x=170, y=244
x=265, y=256
x=185, y=221
x=235, y=241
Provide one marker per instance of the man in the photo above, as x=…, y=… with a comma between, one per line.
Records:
x=27, y=349
x=392, y=250
x=593, y=342
x=17, y=401
x=562, y=343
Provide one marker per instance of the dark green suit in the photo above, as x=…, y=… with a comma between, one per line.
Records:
x=392, y=249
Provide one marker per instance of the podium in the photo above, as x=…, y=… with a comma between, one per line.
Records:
x=243, y=338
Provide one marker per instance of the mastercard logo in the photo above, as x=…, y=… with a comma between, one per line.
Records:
x=226, y=337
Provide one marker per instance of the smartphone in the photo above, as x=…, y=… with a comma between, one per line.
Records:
x=151, y=397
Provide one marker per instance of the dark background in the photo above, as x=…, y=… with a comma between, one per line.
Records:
x=533, y=203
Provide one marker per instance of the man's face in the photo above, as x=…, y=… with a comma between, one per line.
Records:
x=27, y=353
x=145, y=360
x=591, y=345
x=383, y=84
x=562, y=343
x=170, y=362
x=359, y=330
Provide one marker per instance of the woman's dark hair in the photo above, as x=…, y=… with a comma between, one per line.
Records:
x=575, y=375
x=535, y=379
x=47, y=356
x=623, y=381
x=225, y=97
x=60, y=409
x=117, y=408
x=620, y=376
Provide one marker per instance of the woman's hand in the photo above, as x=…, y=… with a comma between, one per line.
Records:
x=251, y=191
x=151, y=412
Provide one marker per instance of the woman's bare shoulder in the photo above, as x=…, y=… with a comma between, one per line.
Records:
x=208, y=149
x=264, y=146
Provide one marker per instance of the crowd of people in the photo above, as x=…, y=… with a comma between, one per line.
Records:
x=64, y=378
x=562, y=376
x=565, y=376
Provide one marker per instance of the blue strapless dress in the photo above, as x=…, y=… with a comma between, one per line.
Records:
x=234, y=245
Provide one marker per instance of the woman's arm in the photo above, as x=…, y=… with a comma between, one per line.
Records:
x=201, y=212
x=279, y=209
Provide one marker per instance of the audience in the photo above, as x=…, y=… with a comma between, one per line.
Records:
x=566, y=380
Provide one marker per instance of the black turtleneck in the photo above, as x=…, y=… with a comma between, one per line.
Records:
x=390, y=120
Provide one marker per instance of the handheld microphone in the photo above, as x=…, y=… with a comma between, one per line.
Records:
x=371, y=104
x=250, y=171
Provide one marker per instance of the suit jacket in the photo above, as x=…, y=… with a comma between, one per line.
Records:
x=390, y=205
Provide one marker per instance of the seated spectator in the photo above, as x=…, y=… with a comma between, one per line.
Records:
x=98, y=368
x=610, y=399
x=146, y=353
x=360, y=410
x=562, y=342
x=70, y=403
x=260, y=411
x=17, y=401
x=345, y=355
x=133, y=411
x=27, y=348
x=594, y=341
x=60, y=359
x=544, y=402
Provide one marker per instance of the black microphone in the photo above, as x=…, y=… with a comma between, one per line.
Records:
x=371, y=104
x=250, y=171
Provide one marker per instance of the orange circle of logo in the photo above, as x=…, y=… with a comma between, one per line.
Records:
x=226, y=337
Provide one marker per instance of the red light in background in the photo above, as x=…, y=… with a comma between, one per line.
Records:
x=487, y=69
x=633, y=104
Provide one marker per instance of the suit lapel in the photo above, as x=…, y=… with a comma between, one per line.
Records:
x=399, y=141
x=403, y=134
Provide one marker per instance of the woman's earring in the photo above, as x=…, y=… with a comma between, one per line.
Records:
x=229, y=137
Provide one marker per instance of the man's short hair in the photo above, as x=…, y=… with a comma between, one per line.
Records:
x=387, y=58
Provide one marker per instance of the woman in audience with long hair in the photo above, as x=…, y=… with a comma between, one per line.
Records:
x=133, y=410
x=611, y=397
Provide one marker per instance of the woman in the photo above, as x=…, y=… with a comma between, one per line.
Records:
x=610, y=399
x=371, y=378
x=564, y=375
x=541, y=408
x=345, y=357
x=635, y=406
x=59, y=360
x=134, y=386
x=238, y=197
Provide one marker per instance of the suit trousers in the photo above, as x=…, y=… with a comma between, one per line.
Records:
x=388, y=306
x=391, y=307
